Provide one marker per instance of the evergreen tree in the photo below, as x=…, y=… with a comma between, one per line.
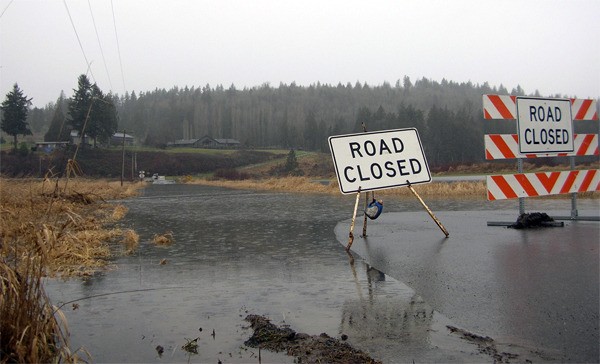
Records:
x=79, y=105
x=102, y=122
x=322, y=143
x=284, y=132
x=291, y=163
x=365, y=116
x=14, y=114
x=311, y=131
x=91, y=112
x=36, y=119
x=58, y=130
x=407, y=83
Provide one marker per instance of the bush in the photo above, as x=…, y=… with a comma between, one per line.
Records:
x=23, y=150
x=291, y=163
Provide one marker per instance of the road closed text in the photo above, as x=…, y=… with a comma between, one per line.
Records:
x=546, y=136
x=400, y=167
x=379, y=160
x=544, y=125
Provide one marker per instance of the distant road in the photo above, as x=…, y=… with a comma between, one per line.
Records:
x=457, y=178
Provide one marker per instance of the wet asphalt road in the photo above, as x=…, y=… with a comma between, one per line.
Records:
x=536, y=289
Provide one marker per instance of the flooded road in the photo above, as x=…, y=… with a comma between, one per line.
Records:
x=240, y=252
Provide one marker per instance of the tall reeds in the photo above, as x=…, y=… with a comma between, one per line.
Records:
x=49, y=228
x=31, y=329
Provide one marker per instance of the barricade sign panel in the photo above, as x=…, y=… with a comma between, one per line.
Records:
x=521, y=185
x=503, y=107
x=379, y=160
x=506, y=146
x=545, y=129
x=544, y=125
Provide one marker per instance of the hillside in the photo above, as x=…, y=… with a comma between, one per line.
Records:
x=107, y=163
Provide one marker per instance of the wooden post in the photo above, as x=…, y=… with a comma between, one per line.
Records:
x=132, y=162
x=521, y=199
x=364, y=233
x=351, y=235
x=123, y=159
x=439, y=224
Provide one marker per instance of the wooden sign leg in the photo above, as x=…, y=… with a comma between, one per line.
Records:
x=439, y=224
x=351, y=235
x=364, y=233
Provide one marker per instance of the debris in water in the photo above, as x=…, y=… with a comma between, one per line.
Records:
x=191, y=346
x=164, y=239
x=485, y=344
x=304, y=347
x=535, y=219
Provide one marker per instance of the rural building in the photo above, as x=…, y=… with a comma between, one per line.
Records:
x=208, y=142
x=48, y=147
x=117, y=139
x=205, y=142
x=184, y=143
x=227, y=143
x=76, y=139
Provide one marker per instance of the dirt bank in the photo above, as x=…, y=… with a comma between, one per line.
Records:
x=305, y=348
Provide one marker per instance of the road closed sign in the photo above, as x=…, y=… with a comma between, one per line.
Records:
x=544, y=125
x=379, y=160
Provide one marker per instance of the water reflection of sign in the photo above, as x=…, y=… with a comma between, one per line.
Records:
x=378, y=160
x=390, y=312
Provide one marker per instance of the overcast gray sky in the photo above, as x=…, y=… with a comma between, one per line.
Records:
x=551, y=46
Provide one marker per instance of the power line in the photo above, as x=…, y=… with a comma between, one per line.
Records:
x=6, y=8
x=118, y=47
x=79, y=41
x=99, y=44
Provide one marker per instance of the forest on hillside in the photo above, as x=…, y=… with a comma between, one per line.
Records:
x=447, y=115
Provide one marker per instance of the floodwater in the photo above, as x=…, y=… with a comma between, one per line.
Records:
x=243, y=252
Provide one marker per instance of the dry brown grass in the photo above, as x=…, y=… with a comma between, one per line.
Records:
x=131, y=240
x=470, y=189
x=32, y=330
x=163, y=239
x=307, y=185
x=49, y=228
x=458, y=189
x=68, y=224
x=119, y=212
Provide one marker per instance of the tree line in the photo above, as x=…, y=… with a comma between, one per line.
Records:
x=89, y=111
x=448, y=115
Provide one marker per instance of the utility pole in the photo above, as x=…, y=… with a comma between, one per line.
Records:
x=123, y=159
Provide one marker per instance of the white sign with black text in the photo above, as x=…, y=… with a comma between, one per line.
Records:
x=379, y=160
x=544, y=125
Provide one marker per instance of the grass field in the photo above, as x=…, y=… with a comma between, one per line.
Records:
x=207, y=151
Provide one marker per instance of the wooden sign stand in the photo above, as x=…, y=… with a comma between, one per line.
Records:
x=438, y=222
x=351, y=234
x=364, y=231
